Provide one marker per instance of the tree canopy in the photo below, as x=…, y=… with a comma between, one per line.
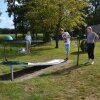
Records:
x=47, y=15
x=93, y=12
x=50, y=14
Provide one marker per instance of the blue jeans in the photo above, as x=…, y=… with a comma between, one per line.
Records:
x=67, y=48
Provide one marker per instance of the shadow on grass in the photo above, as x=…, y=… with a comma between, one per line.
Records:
x=13, y=53
x=65, y=71
x=42, y=49
x=75, y=53
x=19, y=73
x=28, y=70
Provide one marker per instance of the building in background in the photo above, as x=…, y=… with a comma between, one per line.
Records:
x=96, y=28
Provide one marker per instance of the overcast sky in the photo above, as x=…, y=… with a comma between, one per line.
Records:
x=6, y=22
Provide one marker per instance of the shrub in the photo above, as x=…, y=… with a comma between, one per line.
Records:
x=83, y=45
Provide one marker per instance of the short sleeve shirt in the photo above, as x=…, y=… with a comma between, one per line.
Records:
x=65, y=38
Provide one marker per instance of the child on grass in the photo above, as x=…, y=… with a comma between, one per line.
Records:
x=28, y=40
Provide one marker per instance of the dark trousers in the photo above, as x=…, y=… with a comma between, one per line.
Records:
x=91, y=50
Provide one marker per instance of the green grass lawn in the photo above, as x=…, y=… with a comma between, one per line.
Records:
x=68, y=83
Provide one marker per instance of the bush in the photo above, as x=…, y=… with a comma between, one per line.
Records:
x=83, y=45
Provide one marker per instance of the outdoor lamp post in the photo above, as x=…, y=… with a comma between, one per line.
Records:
x=6, y=38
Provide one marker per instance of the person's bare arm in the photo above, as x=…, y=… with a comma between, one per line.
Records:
x=96, y=36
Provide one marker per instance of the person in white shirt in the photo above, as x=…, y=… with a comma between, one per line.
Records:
x=28, y=40
x=66, y=38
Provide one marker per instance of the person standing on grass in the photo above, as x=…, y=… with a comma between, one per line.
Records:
x=91, y=36
x=28, y=40
x=66, y=38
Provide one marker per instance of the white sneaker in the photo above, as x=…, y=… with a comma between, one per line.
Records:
x=92, y=62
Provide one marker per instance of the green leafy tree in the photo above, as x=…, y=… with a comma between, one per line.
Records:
x=18, y=8
x=48, y=14
x=93, y=12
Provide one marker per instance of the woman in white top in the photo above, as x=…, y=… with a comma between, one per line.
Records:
x=28, y=40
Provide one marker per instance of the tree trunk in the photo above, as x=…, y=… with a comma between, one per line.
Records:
x=36, y=36
x=32, y=33
x=23, y=32
x=58, y=25
x=15, y=21
x=56, y=36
